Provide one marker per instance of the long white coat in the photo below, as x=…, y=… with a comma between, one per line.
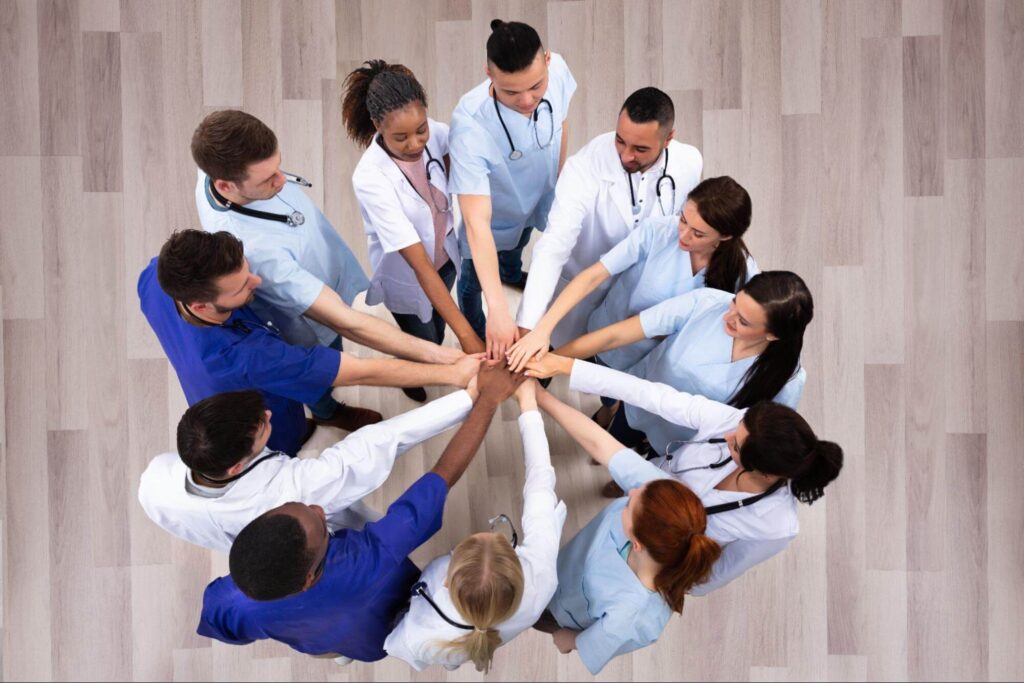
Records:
x=337, y=479
x=592, y=213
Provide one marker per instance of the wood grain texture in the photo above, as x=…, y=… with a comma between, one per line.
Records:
x=883, y=146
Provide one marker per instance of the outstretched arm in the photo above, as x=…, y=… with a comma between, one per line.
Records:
x=596, y=441
x=614, y=336
x=391, y=372
x=440, y=298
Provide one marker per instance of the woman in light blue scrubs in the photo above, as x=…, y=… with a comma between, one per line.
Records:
x=665, y=256
x=629, y=569
x=738, y=350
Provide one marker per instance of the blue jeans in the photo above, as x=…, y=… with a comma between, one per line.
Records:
x=326, y=406
x=510, y=270
x=432, y=330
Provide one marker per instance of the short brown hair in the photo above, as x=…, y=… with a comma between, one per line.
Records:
x=227, y=142
x=191, y=261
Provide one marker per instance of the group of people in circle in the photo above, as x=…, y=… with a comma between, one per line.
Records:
x=640, y=290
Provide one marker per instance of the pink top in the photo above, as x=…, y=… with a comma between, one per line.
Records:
x=416, y=172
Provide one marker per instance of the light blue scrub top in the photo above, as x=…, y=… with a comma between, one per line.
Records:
x=521, y=190
x=653, y=269
x=695, y=357
x=598, y=593
x=295, y=263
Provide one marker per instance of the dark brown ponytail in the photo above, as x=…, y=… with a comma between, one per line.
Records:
x=726, y=207
x=371, y=92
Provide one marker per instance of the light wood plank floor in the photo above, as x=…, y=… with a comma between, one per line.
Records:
x=882, y=142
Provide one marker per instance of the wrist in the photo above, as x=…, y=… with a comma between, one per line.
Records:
x=565, y=365
x=526, y=405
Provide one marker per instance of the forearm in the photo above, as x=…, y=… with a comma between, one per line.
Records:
x=460, y=450
x=441, y=299
x=392, y=372
x=596, y=441
x=611, y=337
x=577, y=290
x=484, y=255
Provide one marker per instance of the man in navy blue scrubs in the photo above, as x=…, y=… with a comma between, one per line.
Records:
x=195, y=296
x=294, y=582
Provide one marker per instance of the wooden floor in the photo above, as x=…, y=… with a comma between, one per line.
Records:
x=882, y=142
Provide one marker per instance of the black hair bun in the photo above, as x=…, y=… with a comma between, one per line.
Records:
x=496, y=24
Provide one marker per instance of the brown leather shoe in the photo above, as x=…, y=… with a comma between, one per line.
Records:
x=351, y=418
x=612, y=490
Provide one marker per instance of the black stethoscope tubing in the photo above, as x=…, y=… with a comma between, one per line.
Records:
x=516, y=154
x=420, y=589
x=430, y=178
x=293, y=219
x=657, y=186
x=247, y=470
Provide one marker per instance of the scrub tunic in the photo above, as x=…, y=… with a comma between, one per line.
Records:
x=653, y=269
x=521, y=190
x=599, y=595
x=695, y=357
x=243, y=353
x=364, y=586
x=294, y=262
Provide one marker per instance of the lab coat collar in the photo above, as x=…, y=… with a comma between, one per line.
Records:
x=378, y=157
x=609, y=169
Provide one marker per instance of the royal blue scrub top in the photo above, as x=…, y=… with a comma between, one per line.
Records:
x=241, y=354
x=354, y=605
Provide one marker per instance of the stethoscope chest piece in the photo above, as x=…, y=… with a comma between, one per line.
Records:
x=295, y=219
x=516, y=155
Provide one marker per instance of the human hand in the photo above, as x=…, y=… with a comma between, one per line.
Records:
x=526, y=394
x=565, y=640
x=550, y=365
x=495, y=382
x=472, y=390
x=465, y=369
x=532, y=346
x=447, y=355
x=501, y=333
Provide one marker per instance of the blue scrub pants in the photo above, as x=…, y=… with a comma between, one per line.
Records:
x=432, y=330
x=510, y=270
x=326, y=406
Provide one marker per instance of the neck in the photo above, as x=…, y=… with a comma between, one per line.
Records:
x=699, y=261
x=212, y=318
x=645, y=568
x=232, y=197
x=745, y=349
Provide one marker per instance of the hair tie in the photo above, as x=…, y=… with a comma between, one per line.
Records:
x=480, y=630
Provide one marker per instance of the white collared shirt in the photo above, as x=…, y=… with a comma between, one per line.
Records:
x=415, y=639
x=395, y=216
x=748, y=535
x=337, y=479
x=593, y=212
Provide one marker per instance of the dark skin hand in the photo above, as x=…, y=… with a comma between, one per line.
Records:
x=495, y=383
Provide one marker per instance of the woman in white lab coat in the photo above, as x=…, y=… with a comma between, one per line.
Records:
x=663, y=257
x=491, y=587
x=749, y=467
x=401, y=185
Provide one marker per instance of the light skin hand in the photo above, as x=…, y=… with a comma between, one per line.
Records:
x=532, y=346
x=550, y=365
x=565, y=640
x=465, y=370
x=501, y=333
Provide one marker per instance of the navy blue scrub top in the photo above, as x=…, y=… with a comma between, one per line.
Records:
x=241, y=354
x=364, y=587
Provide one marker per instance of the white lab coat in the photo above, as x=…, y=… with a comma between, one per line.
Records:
x=748, y=535
x=592, y=213
x=416, y=637
x=338, y=478
x=395, y=217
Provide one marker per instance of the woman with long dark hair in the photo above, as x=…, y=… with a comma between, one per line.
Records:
x=749, y=467
x=401, y=184
x=737, y=349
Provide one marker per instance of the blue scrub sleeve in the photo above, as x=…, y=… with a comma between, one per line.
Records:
x=296, y=372
x=631, y=471
x=286, y=284
x=612, y=635
x=216, y=620
x=629, y=251
x=670, y=315
x=413, y=518
x=470, y=172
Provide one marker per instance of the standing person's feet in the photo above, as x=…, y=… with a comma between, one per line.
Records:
x=519, y=284
x=604, y=414
x=350, y=418
x=612, y=490
x=418, y=394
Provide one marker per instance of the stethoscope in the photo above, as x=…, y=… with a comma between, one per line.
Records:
x=243, y=326
x=515, y=154
x=723, y=507
x=657, y=189
x=247, y=470
x=431, y=161
x=293, y=219
x=420, y=588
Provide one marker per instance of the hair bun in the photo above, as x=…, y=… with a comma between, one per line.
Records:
x=496, y=24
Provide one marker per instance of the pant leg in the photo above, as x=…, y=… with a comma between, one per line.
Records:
x=326, y=406
x=471, y=298
x=626, y=435
x=510, y=263
x=447, y=274
x=411, y=324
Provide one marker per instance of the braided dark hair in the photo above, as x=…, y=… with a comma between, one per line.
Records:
x=371, y=92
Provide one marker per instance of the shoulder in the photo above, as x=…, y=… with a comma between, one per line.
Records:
x=707, y=298
x=682, y=155
x=558, y=67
